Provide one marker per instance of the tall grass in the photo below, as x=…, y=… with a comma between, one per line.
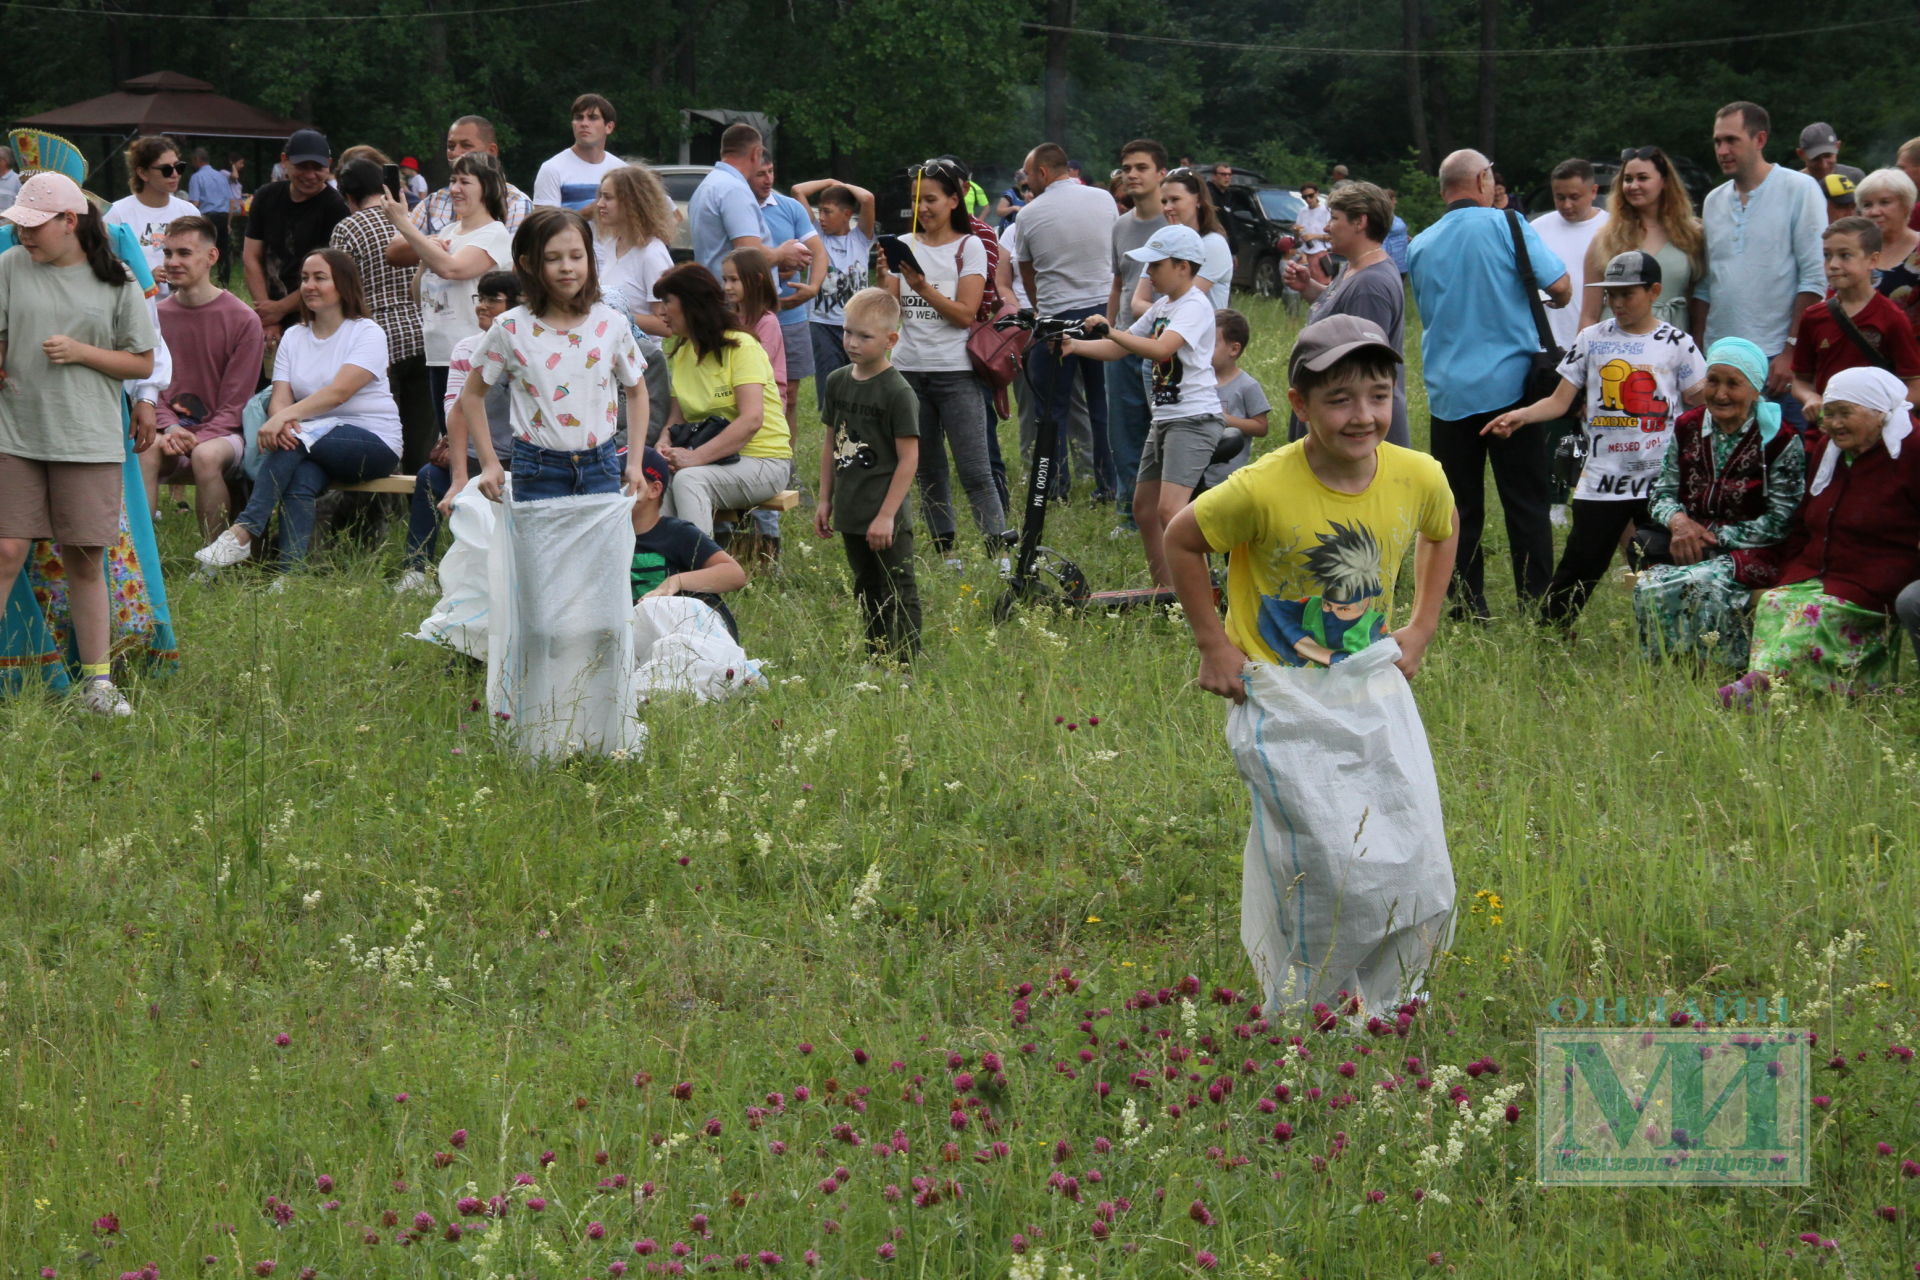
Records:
x=310, y=834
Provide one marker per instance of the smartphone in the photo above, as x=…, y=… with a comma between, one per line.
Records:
x=898, y=253
x=390, y=174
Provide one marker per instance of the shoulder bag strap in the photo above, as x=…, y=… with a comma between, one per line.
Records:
x=1540, y=325
x=1859, y=339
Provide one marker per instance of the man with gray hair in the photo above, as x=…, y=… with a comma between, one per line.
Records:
x=9, y=178
x=1477, y=345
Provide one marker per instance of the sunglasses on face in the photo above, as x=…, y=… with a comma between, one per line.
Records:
x=168, y=170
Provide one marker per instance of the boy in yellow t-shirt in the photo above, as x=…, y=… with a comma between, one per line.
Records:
x=1326, y=737
x=1316, y=532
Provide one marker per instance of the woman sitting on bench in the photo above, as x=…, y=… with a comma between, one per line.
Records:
x=333, y=419
x=722, y=378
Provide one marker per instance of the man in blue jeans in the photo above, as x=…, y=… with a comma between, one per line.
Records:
x=1064, y=250
x=1143, y=165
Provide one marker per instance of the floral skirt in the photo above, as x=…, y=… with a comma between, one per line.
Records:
x=36, y=625
x=1693, y=609
x=1820, y=642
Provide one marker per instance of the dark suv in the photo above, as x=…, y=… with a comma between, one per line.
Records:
x=1262, y=218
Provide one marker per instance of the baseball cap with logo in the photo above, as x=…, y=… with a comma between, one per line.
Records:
x=1325, y=343
x=43, y=197
x=1174, y=241
x=1819, y=139
x=309, y=146
x=1625, y=270
x=654, y=465
x=1838, y=188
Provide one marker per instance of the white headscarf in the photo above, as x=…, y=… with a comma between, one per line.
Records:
x=1874, y=389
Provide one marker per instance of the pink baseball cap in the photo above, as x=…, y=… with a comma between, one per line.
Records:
x=44, y=196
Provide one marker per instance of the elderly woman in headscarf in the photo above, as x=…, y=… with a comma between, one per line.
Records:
x=1828, y=626
x=1728, y=489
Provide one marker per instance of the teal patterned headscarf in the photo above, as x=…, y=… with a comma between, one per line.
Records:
x=1751, y=361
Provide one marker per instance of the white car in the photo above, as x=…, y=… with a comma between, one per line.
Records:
x=680, y=180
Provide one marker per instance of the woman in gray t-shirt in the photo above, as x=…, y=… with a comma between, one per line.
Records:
x=1359, y=217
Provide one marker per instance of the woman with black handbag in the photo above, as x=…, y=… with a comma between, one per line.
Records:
x=727, y=436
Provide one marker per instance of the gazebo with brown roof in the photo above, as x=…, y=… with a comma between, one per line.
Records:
x=164, y=102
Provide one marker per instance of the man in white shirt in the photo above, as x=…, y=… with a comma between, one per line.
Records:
x=1065, y=252
x=467, y=134
x=1568, y=231
x=571, y=178
x=1312, y=226
x=1765, y=263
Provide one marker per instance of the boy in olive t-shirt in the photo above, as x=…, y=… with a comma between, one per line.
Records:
x=869, y=452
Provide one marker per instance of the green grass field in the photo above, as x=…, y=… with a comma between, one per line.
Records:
x=301, y=975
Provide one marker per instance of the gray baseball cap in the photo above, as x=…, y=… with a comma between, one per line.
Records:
x=1624, y=270
x=1325, y=343
x=1819, y=139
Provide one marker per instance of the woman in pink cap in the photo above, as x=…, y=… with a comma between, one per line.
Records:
x=73, y=327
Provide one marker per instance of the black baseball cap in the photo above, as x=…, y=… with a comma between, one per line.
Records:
x=309, y=146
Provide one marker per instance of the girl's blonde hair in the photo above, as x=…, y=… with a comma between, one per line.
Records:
x=644, y=210
x=1623, y=231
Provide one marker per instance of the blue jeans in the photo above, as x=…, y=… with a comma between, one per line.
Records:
x=829, y=353
x=564, y=473
x=291, y=479
x=423, y=516
x=1052, y=379
x=1129, y=418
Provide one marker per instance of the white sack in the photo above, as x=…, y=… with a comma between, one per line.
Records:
x=1347, y=883
x=560, y=673
x=682, y=646
x=459, y=620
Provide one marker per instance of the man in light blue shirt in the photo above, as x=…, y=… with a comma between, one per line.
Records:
x=1764, y=261
x=1477, y=342
x=724, y=214
x=209, y=190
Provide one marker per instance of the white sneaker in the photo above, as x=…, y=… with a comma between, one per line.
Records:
x=224, y=550
x=102, y=698
x=955, y=563
x=1560, y=515
x=411, y=580
x=1005, y=563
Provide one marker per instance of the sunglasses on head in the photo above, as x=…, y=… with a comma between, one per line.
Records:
x=168, y=170
x=943, y=171
x=1640, y=153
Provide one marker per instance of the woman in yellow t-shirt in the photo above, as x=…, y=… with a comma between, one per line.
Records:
x=718, y=372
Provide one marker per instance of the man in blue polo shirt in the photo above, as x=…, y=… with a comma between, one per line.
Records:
x=725, y=215
x=1476, y=343
x=787, y=219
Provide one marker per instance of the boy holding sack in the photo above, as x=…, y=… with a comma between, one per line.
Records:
x=1348, y=889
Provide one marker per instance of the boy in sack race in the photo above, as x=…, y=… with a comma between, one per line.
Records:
x=1347, y=891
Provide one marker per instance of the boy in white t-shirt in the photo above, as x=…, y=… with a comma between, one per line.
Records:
x=1636, y=370
x=570, y=179
x=1176, y=334
x=844, y=214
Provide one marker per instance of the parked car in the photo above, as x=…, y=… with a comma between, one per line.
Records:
x=680, y=180
x=1264, y=231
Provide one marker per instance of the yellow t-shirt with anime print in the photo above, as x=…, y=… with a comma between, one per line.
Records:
x=1310, y=566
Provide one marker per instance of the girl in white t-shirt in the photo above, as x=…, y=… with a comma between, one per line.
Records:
x=154, y=171
x=451, y=265
x=559, y=647
x=633, y=219
x=1185, y=200
x=333, y=419
x=939, y=298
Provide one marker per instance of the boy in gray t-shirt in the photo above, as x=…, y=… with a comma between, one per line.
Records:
x=1243, y=402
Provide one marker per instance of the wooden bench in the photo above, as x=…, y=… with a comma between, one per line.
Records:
x=385, y=484
x=785, y=500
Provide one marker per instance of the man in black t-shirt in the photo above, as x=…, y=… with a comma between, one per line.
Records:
x=673, y=557
x=290, y=219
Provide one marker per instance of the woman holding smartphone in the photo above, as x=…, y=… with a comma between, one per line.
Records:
x=939, y=292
